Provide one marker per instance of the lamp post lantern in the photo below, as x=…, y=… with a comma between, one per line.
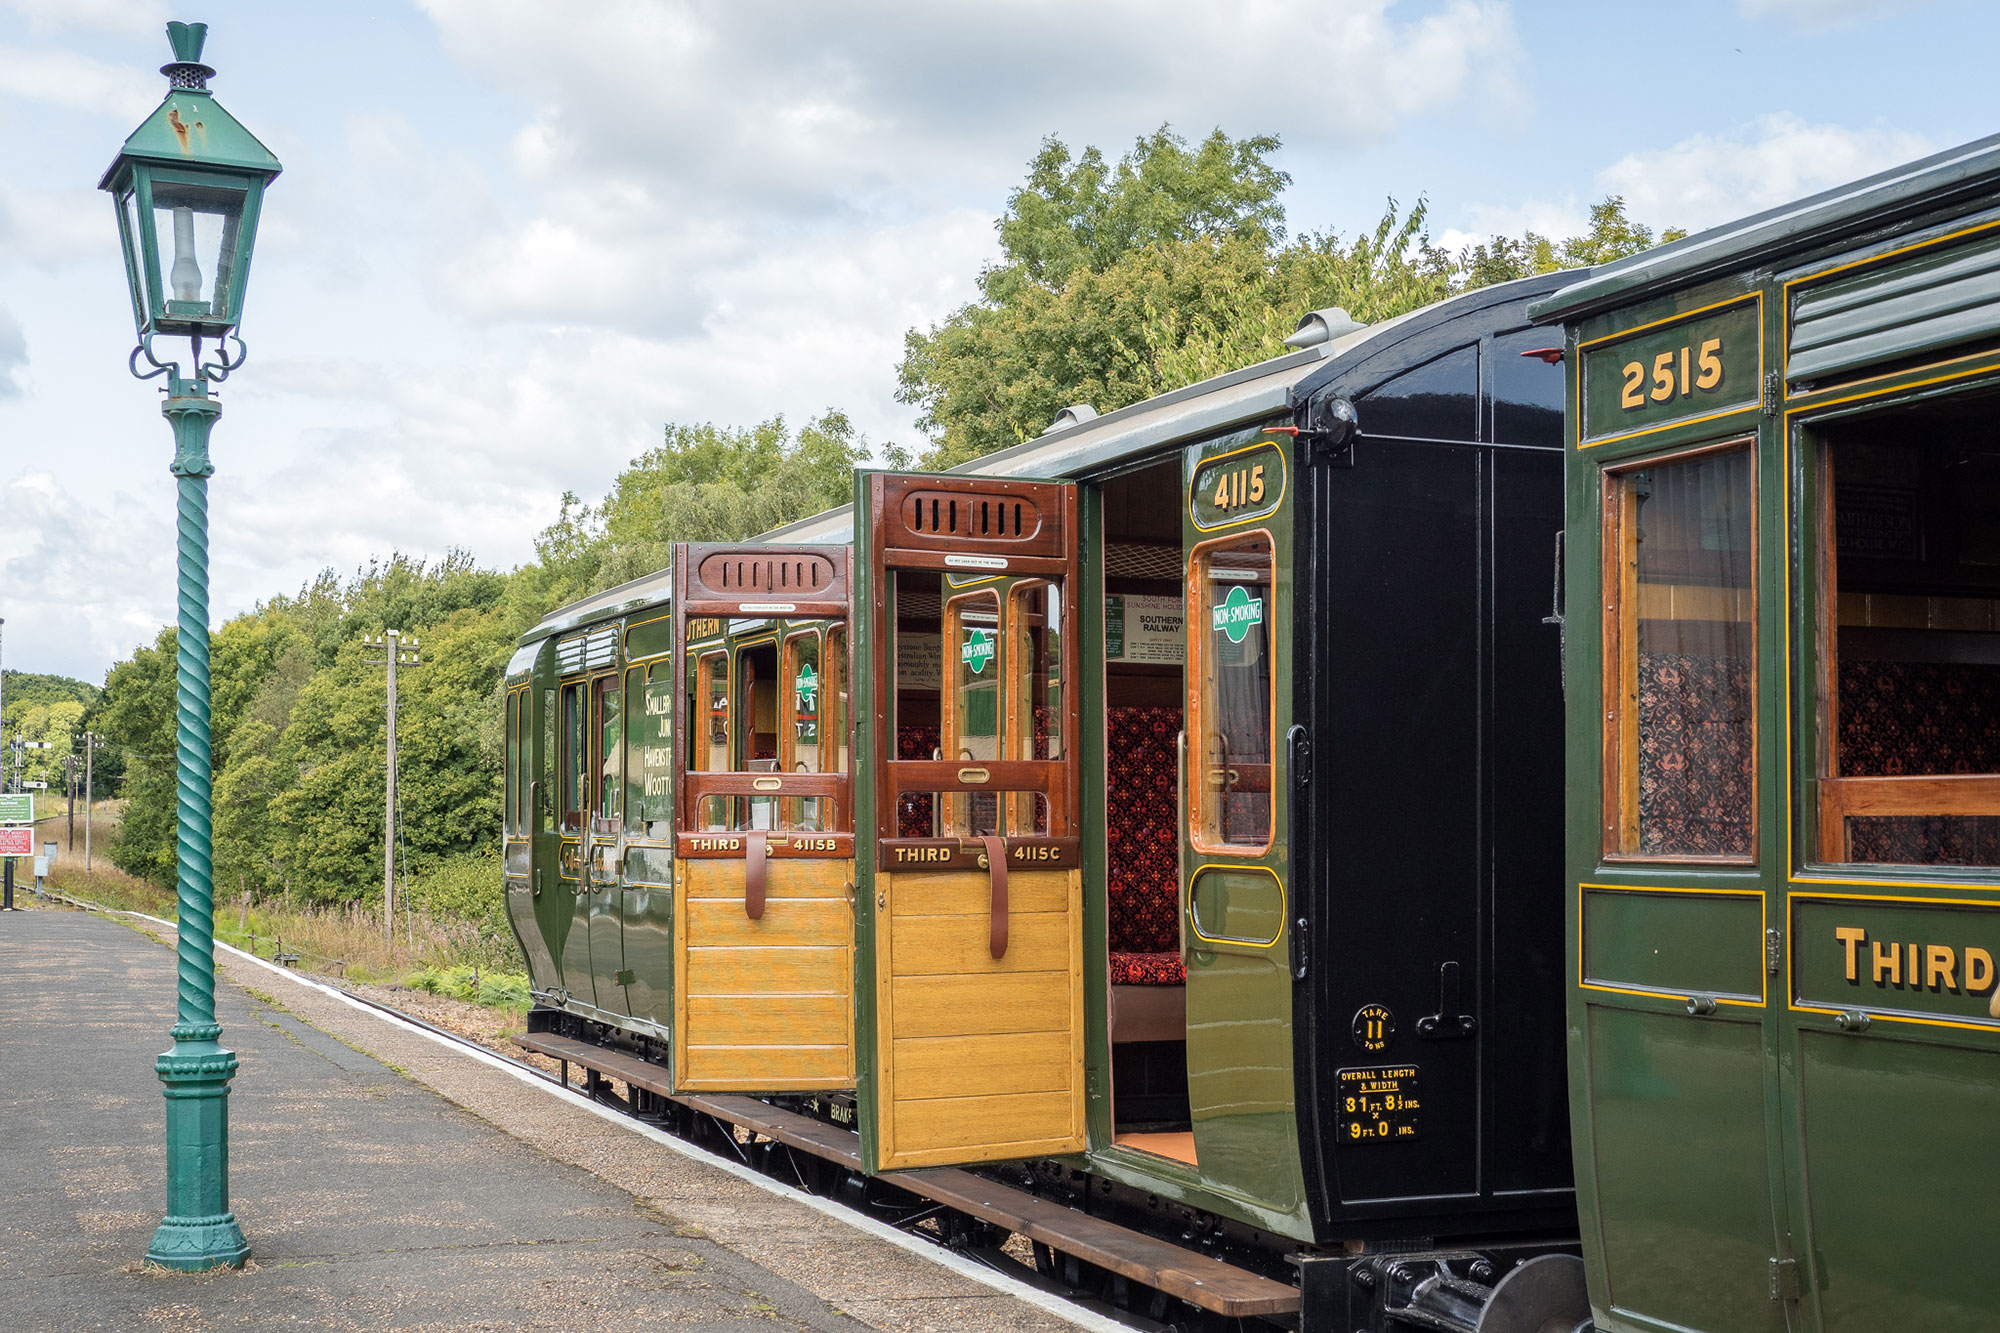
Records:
x=192, y=179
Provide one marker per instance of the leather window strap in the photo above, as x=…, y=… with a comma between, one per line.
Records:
x=996, y=873
x=755, y=861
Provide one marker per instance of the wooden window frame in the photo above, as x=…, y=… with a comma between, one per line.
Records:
x=950, y=623
x=1618, y=828
x=1195, y=627
x=1942, y=795
x=842, y=729
x=1016, y=743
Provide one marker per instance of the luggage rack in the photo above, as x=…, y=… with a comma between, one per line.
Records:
x=1207, y=1283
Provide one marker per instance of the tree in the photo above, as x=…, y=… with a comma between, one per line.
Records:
x=705, y=483
x=1612, y=235
x=1116, y=284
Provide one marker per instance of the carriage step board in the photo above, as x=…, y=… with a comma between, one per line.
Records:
x=1208, y=1283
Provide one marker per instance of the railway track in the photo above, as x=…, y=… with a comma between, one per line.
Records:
x=799, y=1158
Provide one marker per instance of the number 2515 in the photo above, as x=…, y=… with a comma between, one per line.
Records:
x=1670, y=375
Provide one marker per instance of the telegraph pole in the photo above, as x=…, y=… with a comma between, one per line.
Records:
x=69, y=791
x=92, y=743
x=395, y=653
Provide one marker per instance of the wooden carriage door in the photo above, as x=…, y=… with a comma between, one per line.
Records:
x=970, y=900
x=764, y=878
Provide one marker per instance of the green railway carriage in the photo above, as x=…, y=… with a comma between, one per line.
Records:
x=1170, y=803
x=1783, y=671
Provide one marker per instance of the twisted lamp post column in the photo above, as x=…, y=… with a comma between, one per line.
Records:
x=199, y=1231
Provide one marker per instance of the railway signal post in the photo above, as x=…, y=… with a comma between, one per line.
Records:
x=192, y=178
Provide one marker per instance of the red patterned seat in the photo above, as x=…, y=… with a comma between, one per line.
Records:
x=913, y=812
x=1912, y=718
x=1142, y=838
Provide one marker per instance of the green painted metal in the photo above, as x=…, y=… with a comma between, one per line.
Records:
x=190, y=155
x=1769, y=1134
x=198, y=1231
x=864, y=755
x=1698, y=366
x=1240, y=1049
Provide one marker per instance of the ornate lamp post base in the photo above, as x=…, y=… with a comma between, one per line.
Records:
x=198, y=1232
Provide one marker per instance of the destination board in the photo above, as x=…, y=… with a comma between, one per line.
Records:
x=1671, y=372
x=1378, y=1105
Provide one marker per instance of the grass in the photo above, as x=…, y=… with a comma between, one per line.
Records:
x=438, y=953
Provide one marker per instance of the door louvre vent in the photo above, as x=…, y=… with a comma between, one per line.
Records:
x=752, y=574
x=1001, y=518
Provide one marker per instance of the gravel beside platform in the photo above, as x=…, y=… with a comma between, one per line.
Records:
x=385, y=1180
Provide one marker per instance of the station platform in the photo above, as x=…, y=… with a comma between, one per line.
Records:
x=386, y=1180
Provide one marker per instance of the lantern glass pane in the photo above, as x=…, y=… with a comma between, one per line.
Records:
x=197, y=229
x=135, y=253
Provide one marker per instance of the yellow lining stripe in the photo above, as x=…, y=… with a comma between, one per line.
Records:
x=1193, y=921
x=1756, y=397
x=1763, y=925
x=1791, y=984
x=1284, y=481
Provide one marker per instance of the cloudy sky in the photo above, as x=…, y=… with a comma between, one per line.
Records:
x=513, y=239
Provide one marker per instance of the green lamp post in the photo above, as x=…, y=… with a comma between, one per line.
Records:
x=188, y=185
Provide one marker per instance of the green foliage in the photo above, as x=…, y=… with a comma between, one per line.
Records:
x=1612, y=235
x=1078, y=216
x=1119, y=283
x=705, y=483
x=498, y=990
x=298, y=722
x=49, y=709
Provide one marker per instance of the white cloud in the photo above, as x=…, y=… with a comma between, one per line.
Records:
x=49, y=74
x=1705, y=180
x=122, y=16
x=83, y=576
x=1811, y=14
x=13, y=353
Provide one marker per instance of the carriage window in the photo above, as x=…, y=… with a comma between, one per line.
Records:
x=971, y=730
x=708, y=745
x=649, y=758
x=547, y=779
x=833, y=701
x=802, y=736
x=1680, y=658
x=757, y=726
x=1910, y=620
x=1229, y=640
x=1036, y=703
x=574, y=739
x=610, y=754
x=511, y=814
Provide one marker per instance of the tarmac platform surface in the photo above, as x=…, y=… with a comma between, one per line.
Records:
x=371, y=1196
